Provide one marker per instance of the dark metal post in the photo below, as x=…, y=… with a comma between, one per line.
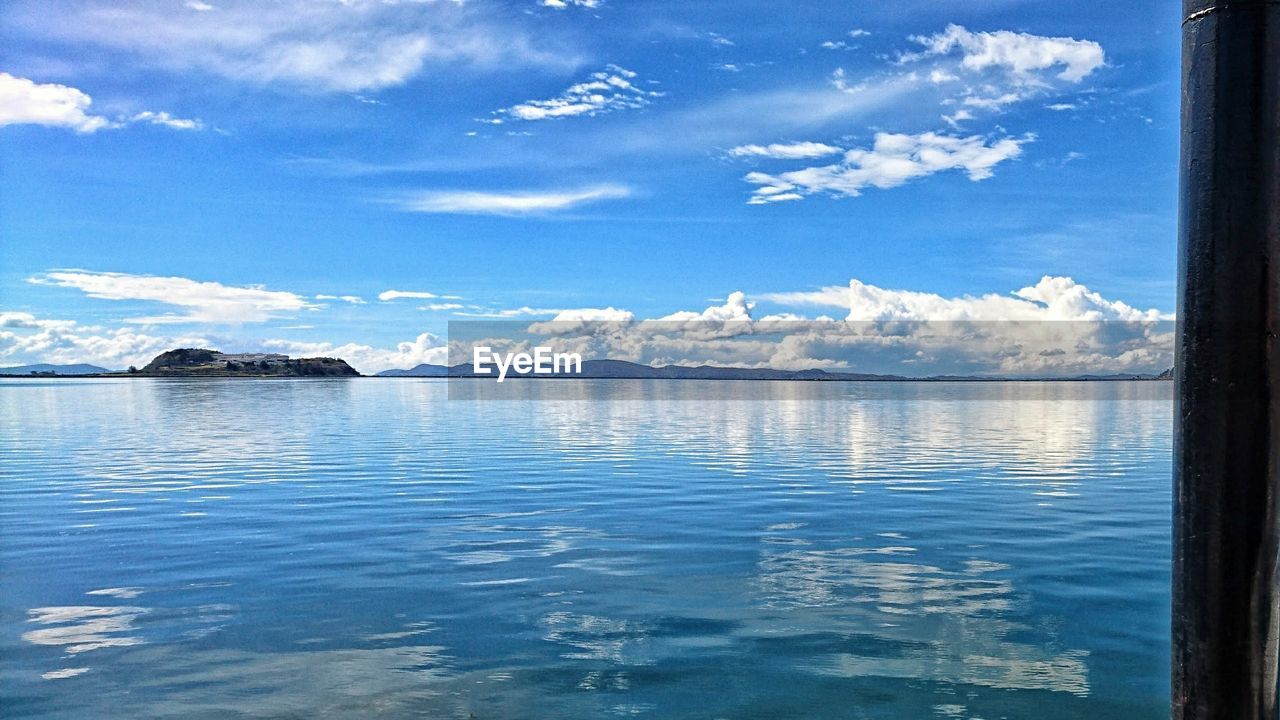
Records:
x=1227, y=433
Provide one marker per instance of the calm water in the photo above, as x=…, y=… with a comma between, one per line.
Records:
x=362, y=548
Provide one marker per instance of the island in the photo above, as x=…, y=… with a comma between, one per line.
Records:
x=50, y=370
x=199, y=362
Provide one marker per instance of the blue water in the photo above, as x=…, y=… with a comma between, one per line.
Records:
x=583, y=549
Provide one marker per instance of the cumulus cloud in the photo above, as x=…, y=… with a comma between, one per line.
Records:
x=26, y=339
x=1056, y=327
x=1002, y=68
x=785, y=151
x=1022, y=55
x=736, y=308
x=203, y=302
x=346, y=46
x=1052, y=298
x=27, y=321
x=893, y=159
x=509, y=203
x=24, y=102
x=606, y=91
x=367, y=359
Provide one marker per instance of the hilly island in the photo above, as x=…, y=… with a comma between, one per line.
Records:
x=199, y=362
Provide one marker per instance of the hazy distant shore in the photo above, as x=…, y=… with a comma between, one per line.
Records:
x=212, y=364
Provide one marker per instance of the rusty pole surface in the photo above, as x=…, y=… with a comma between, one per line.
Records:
x=1226, y=543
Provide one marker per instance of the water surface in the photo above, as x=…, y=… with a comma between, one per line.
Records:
x=369, y=548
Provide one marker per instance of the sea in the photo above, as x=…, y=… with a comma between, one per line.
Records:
x=404, y=548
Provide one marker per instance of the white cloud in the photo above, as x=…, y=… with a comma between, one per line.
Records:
x=892, y=160
x=27, y=321
x=1059, y=107
x=507, y=313
x=439, y=307
x=1055, y=327
x=509, y=203
x=353, y=299
x=25, y=339
x=366, y=359
x=609, y=314
x=957, y=117
x=204, y=302
x=606, y=91
x=560, y=315
x=341, y=46
x=840, y=81
x=1021, y=55
x=584, y=320
x=993, y=70
x=389, y=295
x=198, y=6
x=841, y=44
x=1052, y=298
x=167, y=120
x=23, y=102
x=736, y=308
x=785, y=151
x=562, y=4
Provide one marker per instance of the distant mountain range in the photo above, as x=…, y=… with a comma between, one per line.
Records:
x=623, y=370
x=47, y=369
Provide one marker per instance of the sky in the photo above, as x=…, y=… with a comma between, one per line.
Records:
x=347, y=177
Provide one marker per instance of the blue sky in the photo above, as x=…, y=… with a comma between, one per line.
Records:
x=226, y=172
